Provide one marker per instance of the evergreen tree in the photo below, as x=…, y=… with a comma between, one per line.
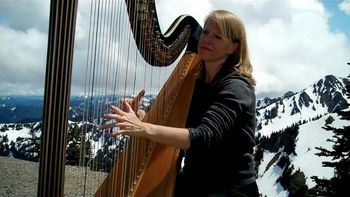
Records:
x=329, y=120
x=297, y=185
x=33, y=145
x=336, y=186
x=295, y=182
x=285, y=138
x=258, y=157
x=4, y=147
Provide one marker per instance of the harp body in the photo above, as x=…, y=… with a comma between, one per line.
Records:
x=154, y=168
x=157, y=172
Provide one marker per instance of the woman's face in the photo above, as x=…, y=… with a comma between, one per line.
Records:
x=212, y=47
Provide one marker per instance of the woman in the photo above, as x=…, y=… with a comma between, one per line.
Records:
x=219, y=136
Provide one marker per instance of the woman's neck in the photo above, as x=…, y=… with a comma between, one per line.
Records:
x=211, y=69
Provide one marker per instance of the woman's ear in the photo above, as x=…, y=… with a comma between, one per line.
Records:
x=233, y=47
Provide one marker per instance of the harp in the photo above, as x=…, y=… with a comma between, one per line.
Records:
x=154, y=168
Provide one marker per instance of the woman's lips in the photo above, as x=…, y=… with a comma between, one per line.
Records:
x=205, y=48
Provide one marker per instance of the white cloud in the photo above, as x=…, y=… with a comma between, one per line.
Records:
x=291, y=51
x=117, y=56
x=22, y=15
x=169, y=10
x=23, y=46
x=291, y=44
x=22, y=60
x=290, y=41
x=345, y=6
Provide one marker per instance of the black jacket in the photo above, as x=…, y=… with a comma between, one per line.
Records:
x=221, y=123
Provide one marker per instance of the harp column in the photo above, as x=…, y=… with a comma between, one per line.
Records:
x=56, y=97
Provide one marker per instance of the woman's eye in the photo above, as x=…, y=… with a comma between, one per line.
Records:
x=218, y=37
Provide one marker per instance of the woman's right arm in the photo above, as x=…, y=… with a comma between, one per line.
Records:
x=131, y=125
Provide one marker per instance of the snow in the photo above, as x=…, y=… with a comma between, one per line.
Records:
x=13, y=134
x=285, y=107
x=285, y=118
x=267, y=177
x=311, y=135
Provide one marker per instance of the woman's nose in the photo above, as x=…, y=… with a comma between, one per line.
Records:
x=208, y=38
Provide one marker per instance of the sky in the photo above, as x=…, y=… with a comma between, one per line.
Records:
x=292, y=43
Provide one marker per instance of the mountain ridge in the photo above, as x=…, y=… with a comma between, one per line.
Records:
x=291, y=125
x=325, y=96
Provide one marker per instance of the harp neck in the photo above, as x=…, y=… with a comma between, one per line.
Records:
x=157, y=48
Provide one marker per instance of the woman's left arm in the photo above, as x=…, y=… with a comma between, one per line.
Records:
x=233, y=97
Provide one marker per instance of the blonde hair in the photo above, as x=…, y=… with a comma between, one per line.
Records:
x=233, y=30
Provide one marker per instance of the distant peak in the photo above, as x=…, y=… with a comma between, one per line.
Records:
x=288, y=94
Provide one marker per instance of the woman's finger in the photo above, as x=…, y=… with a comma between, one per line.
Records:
x=117, y=110
x=124, y=129
x=128, y=107
x=107, y=126
x=122, y=103
x=113, y=134
x=139, y=96
x=113, y=116
x=135, y=102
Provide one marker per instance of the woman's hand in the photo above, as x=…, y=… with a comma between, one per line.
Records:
x=135, y=104
x=131, y=125
x=127, y=121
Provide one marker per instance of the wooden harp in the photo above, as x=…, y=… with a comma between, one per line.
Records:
x=154, y=165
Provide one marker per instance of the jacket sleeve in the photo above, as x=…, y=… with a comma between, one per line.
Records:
x=233, y=97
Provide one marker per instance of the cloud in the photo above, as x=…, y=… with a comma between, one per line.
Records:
x=345, y=6
x=291, y=43
x=22, y=15
x=113, y=59
x=295, y=48
x=169, y=10
x=22, y=60
x=23, y=41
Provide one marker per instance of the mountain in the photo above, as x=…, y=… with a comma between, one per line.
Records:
x=289, y=129
x=20, y=109
x=21, y=139
x=323, y=97
x=28, y=109
x=262, y=103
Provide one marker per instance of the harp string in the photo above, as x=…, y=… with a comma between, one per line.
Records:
x=86, y=153
x=127, y=152
x=115, y=55
x=108, y=56
x=95, y=156
x=112, y=67
x=92, y=93
x=129, y=165
x=135, y=141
